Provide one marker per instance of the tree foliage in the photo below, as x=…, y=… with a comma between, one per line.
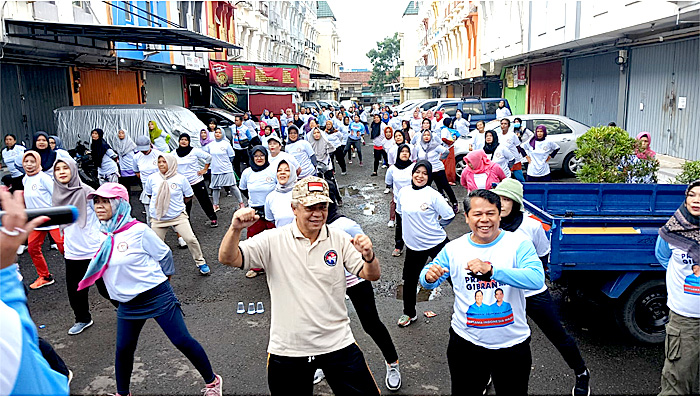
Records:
x=385, y=63
x=608, y=156
x=691, y=173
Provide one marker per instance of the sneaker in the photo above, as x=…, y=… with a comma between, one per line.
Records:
x=345, y=173
x=204, y=269
x=387, y=190
x=393, y=377
x=42, y=282
x=229, y=194
x=21, y=249
x=374, y=174
x=54, y=247
x=253, y=273
x=383, y=165
x=390, y=224
x=214, y=223
x=214, y=388
x=455, y=207
x=350, y=161
x=78, y=328
x=353, y=156
x=318, y=376
x=396, y=252
x=362, y=164
x=181, y=243
x=405, y=321
x=582, y=387
x=217, y=208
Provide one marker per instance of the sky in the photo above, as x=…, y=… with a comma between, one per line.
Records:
x=361, y=23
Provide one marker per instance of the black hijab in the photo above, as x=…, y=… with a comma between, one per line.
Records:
x=48, y=156
x=298, y=122
x=99, y=147
x=292, y=127
x=255, y=167
x=184, y=151
x=513, y=221
x=376, y=129
x=401, y=164
x=428, y=168
x=489, y=148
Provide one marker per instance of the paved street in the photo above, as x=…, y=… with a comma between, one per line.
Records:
x=236, y=344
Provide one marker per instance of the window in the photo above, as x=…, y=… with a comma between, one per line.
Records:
x=149, y=16
x=491, y=107
x=554, y=127
x=449, y=109
x=428, y=105
x=128, y=9
x=472, y=108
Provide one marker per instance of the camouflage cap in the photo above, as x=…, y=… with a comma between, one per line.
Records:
x=311, y=191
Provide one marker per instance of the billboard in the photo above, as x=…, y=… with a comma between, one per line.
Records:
x=253, y=76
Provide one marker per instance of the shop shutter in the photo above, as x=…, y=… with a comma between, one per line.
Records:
x=107, y=87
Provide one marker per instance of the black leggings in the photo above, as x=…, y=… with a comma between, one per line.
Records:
x=329, y=176
x=362, y=297
x=75, y=270
x=339, y=156
x=540, y=309
x=398, y=233
x=412, y=266
x=241, y=159
x=200, y=191
x=358, y=148
x=379, y=155
x=13, y=183
x=442, y=184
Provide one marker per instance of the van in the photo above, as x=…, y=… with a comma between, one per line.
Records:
x=74, y=123
x=481, y=109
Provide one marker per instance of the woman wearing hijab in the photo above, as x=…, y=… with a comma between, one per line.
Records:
x=335, y=137
x=48, y=156
x=222, y=176
x=323, y=150
x=103, y=156
x=430, y=148
x=170, y=191
x=189, y=162
x=398, y=176
x=297, y=121
x=448, y=135
x=480, y=172
x=461, y=124
x=12, y=158
x=521, y=131
x=538, y=152
x=136, y=266
x=257, y=181
x=159, y=139
x=643, y=150
x=278, y=203
x=38, y=190
x=126, y=149
x=424, y=214
x=82, y=239
x=407, y=130
x=375, y=132
x=678, y=251
x=302, y=151
x=497, y=153
x=56, y=144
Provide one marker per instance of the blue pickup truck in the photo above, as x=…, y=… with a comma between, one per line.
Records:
x=603, y=238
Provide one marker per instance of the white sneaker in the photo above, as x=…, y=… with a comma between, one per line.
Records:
x=393, y=377
x=318, y=376
x=354, y=154
x=383, y=165
x=54, y=247
x=21, y=249
x=181, y=242
x=387, y=190
x=390, y=224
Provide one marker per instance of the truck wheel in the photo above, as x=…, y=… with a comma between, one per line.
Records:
x=571, y=164
x=459, y=166
x=643, y=313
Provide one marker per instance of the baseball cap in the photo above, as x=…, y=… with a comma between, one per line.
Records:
x=143, y=144
x=310, y=191
x=110, y=190
x=274, y=137
x=512, y=189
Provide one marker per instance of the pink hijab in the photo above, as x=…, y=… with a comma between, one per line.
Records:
x=647, y=154
x=479, y=161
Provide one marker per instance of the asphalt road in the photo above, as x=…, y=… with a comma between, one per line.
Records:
x=236, y=344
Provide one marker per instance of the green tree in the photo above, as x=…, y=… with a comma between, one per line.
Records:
x=385, y=63
x=608, y=156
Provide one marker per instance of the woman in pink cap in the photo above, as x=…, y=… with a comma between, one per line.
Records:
x=136, y=265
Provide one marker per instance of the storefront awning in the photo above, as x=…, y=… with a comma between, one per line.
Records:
x=93, y=36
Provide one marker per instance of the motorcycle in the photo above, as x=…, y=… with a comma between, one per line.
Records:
x=86, y=167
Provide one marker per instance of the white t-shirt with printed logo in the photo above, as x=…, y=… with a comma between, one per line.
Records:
x=81, y=243
x=258, y=184
x=278, y=208
x=221, y=154
x=146, y=164
x=38, y=189
x=179, y=189
x=302, y=152
x=420, y=212
x=189, y=166
x=398, y=179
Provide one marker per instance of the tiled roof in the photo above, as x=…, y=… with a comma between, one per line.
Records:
x=355, y=77
x=412, y=8
x=323, y=10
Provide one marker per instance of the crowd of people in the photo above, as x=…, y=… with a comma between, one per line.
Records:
x=282, y=172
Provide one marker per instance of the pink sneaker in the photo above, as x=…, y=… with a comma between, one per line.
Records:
x=214, y=388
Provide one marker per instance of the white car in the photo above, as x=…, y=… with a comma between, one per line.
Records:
x=560, y=129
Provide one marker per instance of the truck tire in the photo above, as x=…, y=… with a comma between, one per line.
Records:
x=643, y=313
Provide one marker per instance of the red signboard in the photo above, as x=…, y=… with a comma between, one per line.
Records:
x=225, y=74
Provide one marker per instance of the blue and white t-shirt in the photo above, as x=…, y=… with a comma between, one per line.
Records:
x=490, y=314
x=682, y=279
x=13, y=160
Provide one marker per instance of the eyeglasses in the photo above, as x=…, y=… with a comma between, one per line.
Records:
x=259, y=156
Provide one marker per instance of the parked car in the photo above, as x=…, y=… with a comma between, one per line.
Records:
x=481, y=109
x=224, y=118
x=406, y=105
x=311, y=105
x=560, y=129
x=74, y=123
x=424, y=105
x=329, y=103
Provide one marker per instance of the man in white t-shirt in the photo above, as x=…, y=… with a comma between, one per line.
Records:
x=305, y=263
x=540, y=307
x=484, y=261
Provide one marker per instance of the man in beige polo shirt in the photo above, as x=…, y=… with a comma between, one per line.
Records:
x=304, y=264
